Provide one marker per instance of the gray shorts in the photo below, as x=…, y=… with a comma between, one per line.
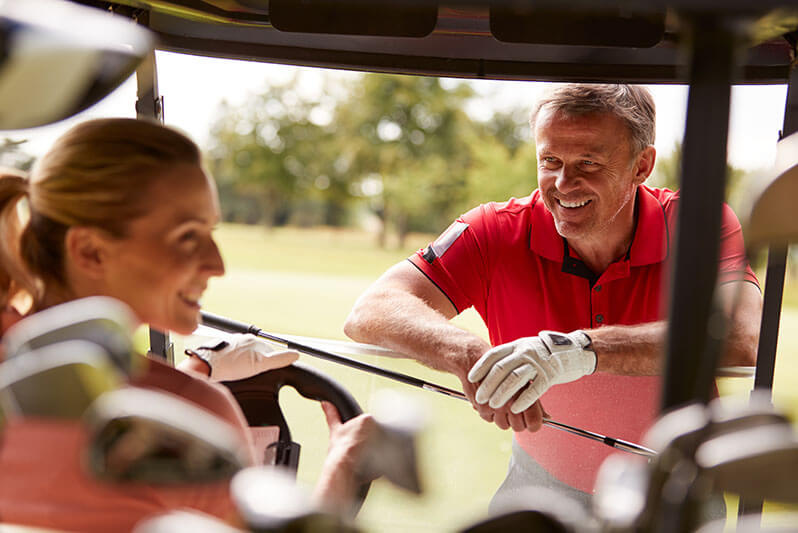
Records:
x=524, y=473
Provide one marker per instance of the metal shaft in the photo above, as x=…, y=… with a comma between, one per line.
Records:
x=234, y=326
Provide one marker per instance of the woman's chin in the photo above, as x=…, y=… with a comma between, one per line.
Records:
x=184, y=325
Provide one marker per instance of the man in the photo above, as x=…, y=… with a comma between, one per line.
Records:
x=568, y=281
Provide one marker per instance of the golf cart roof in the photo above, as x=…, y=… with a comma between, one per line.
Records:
x=587, y=40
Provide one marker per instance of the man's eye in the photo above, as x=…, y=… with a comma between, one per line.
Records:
x=549, y=162
x=588, y=162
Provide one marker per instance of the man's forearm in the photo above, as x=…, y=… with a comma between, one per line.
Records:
x=405, y=323
x=629, y=350
x=639, y=350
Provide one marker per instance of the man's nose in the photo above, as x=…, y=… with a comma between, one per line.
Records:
x=567, y=179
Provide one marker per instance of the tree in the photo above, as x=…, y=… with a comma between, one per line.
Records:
x=12, y=155
x=405, y=144
x=667, y=173
x=269, y=154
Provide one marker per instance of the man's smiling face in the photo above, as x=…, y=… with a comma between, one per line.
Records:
x=587, y=173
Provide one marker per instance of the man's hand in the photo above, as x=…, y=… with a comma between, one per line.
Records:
x=548, y=359
x=529, y=420
x=243, y=356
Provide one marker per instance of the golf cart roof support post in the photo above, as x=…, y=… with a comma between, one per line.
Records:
x=777, y=263
x=149, y=106
x=691, y=358
x=774, y=292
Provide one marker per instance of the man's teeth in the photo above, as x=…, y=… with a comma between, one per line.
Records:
x=571, y=205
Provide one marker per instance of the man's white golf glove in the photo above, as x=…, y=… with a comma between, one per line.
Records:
x=549, y=359
x=242, y=356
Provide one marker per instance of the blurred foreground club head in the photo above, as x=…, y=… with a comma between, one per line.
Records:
x=100, y=320
x=747, y=449
x=140, y=435
x=269, y=500
x=58, y=58
x=537, y=509
x=392, y=450
x=770, y=215
x=184, y=522
x=59, y=380
x=760, y=462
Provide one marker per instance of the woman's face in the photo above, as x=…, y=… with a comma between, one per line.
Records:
x=162, y=267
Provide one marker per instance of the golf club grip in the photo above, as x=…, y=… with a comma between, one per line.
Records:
x=227, y=324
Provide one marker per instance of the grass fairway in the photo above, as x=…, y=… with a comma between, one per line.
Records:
x=304, y=282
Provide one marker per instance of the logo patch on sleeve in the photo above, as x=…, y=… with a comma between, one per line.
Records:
x=447, y=238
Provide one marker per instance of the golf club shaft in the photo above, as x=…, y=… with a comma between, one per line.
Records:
x=234, y=326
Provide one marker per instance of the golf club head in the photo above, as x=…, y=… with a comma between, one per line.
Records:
x=757, y=462
x=392, y=450
x=58, y=58
x=269, y=500
x=98, y=319
x=620, y=492
x=678, y=435
x=768, y=218
x=140, y=435
x=60, y=380
x=184, y=522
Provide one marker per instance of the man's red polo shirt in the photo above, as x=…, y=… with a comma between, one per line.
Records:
x=508, y=262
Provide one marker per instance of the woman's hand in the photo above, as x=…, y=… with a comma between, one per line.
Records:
x=340, y=477
x=240, y=357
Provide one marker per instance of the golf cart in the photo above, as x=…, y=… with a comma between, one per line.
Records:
x=708, y=45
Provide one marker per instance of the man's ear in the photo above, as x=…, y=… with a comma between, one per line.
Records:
x=645, y=164
x=86, y=249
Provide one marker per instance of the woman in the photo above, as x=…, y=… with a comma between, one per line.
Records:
x=99, y=224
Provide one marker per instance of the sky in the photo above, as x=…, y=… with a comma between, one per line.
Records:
x=194, y=86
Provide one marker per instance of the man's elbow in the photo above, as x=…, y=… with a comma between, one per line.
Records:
x=741, y=351
x=357, y=323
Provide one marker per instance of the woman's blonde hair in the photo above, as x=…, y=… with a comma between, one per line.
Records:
x=98, y=174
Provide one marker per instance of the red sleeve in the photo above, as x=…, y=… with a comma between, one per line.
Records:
x=456, y=262
x=733, y=265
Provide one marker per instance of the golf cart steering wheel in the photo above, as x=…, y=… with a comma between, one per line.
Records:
x=259, y=395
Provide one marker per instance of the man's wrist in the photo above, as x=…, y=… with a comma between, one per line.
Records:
x=586, y=343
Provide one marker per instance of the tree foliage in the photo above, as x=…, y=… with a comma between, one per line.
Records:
x=667, y=173
x=400, y=148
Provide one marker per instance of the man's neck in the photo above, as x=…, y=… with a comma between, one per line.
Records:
x=598, y=252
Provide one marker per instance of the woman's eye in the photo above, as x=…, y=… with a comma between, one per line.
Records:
x=188, y=236
x=188, y=241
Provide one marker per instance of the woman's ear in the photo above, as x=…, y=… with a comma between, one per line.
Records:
x=86, y=251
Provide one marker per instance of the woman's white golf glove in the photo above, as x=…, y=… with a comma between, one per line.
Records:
x=538, y=363
x=242, y=356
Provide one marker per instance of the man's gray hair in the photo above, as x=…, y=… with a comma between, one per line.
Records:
x=633, y=104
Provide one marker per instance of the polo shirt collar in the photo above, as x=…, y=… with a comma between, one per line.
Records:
x=649, y=244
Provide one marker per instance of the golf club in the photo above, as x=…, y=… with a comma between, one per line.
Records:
x=234, y=326
x=146, y=436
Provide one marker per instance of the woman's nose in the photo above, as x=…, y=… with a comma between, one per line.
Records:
x=213, y=261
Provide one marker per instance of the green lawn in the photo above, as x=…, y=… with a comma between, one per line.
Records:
x=304, y=282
